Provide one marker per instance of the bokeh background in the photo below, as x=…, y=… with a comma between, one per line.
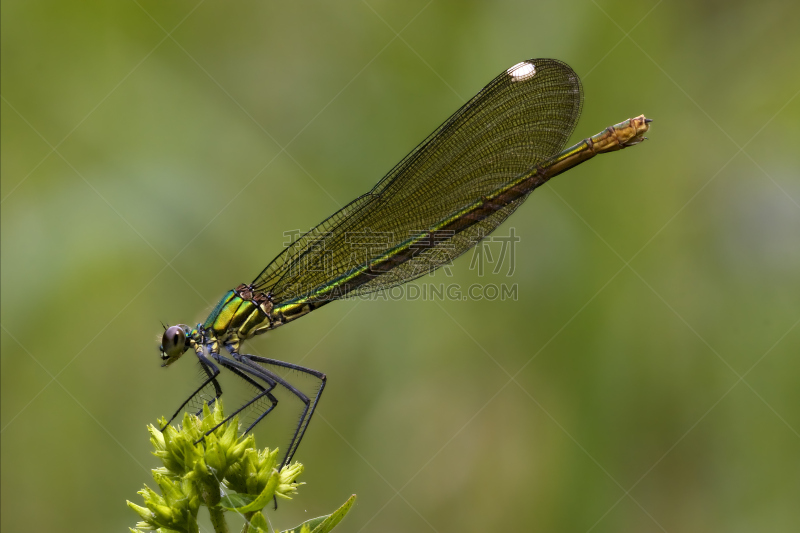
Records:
x=153, y=154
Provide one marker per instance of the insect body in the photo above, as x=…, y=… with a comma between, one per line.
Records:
x=453, y=189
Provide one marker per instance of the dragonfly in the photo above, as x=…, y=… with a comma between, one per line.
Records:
x=452, y=190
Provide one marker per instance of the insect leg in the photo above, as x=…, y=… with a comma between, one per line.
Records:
x=212, y=372
x=310, y=404
x=242, y=373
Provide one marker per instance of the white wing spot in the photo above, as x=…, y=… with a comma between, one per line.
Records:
x=522, y=71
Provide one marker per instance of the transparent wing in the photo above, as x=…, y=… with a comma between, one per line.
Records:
x=522, y=118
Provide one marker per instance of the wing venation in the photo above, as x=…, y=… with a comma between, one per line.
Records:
x=520, y=119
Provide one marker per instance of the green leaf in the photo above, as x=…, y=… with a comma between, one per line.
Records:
x=236, y=499
x=262, y=499
x=324, y=524
x=310, y=524
x=335, y=517
x=258, y=524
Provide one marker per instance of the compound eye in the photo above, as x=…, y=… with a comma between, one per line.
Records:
x=174, y=339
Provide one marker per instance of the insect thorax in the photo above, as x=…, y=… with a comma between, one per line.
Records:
x=239, y=315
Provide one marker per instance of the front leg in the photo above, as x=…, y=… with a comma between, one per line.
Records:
x=211, y=371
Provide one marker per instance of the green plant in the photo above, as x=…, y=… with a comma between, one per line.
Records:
x=224, y=472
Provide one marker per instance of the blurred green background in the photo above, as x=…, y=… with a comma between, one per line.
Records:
x=153, y=154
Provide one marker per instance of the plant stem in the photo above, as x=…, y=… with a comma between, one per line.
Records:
x=247, y=518
x=218, y=519
x=193, y=527
x=212, y=498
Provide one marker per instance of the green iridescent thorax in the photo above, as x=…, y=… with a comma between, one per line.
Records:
x=237, y=313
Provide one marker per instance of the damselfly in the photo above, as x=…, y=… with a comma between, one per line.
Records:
x=453, y=189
